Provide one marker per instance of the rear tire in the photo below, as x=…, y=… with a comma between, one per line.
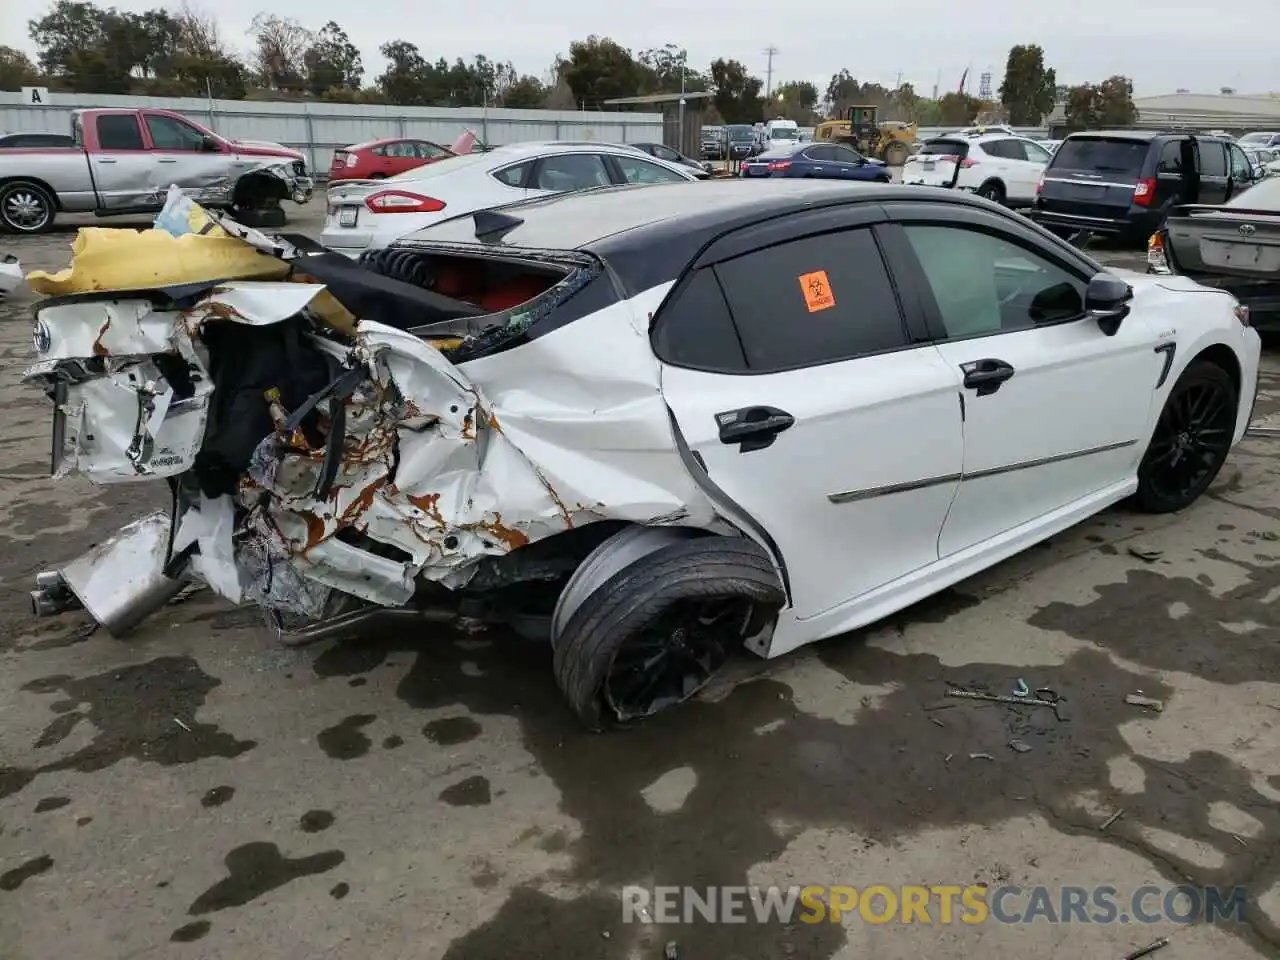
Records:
x=1191, y=440
x=26, y=208
x=992, y=190
x=654, y=633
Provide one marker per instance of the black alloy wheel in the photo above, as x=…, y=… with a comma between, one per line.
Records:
x=675, y=656
x=1191, y=440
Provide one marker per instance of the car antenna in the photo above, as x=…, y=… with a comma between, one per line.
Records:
x=492, y=226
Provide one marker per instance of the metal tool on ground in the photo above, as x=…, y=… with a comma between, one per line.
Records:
x=1044, y=698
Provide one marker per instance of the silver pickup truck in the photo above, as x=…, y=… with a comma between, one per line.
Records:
x=123, y=161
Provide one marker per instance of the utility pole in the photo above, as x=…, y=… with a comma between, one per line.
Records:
x=770, y=52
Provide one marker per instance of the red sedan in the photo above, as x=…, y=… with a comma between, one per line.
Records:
x=379, y=159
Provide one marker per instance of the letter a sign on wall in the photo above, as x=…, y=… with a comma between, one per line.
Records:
x=35, y=96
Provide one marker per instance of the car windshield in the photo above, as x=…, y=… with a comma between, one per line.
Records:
x=944, y=148
x=1102, y=154
x=1264, y=195
x=740, y=133
x=1263, y=138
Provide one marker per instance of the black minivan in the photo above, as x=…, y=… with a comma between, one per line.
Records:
x=1123, y=182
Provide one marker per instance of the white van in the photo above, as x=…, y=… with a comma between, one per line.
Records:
x=781, y=133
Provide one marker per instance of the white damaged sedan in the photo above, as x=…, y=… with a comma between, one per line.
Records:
x=651, y=425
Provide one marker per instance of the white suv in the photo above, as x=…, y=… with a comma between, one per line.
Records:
x=993, y=165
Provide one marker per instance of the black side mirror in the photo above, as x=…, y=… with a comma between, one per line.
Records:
x=1106, y=300
x=209, y=145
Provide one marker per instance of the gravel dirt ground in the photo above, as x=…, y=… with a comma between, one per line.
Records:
x=199, y=791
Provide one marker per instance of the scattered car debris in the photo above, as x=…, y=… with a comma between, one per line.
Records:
x=1044, y=698
x=1019, y=746
x=671, y=951
x=937, y=723
x=1112, y=819
x=1146, y=553
x=981, y=756
x=947, y=758
x=1265, y=534
x=1239, y=840
x=1138, y=700
x=10, y=274
x=181, y=724
x=1020, y=689
x=1147, y=950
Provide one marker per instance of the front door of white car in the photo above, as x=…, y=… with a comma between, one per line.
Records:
x=791, y=369
x=1055, y=410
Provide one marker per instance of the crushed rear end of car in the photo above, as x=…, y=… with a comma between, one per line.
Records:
x=344, y=441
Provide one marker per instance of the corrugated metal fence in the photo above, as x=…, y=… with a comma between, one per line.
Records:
x=318, y=129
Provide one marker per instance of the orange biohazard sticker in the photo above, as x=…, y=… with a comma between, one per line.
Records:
x=816, y=289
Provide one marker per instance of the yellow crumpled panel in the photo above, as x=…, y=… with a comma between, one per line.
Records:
x=107, y=258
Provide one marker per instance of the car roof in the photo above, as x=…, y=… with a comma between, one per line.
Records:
x=368, y=144
x=657, y=229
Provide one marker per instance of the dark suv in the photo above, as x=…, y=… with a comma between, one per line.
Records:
x=1122, y=183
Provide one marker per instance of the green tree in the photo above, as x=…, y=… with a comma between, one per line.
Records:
x=1106, y=104
x=666, y=65
x=737, y=93
x=796, y=100
x=403, y=82
x=16, y=69
x=599, y=69
x=70, y=27
x=332, y=61
x=280, y=47
x=1115, y=102
x=1028, y=89
x=523, y=93
x=958, y=109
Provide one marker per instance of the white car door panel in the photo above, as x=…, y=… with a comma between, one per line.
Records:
x=853, y=476
x=1054, y=408
x=1072, y=420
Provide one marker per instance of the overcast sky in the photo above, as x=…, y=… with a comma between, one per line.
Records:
x=1161, y=44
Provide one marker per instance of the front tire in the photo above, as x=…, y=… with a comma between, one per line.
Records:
x=654, y=633
x=1191, y=440
x=895, y=154
x=26, y=208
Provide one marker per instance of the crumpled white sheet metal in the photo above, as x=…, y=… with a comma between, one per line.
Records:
x=125, y=424
x=10, y=274
x=557, y=436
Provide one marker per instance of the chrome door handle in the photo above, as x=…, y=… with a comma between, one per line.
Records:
x=105, y=160
x=168, y=160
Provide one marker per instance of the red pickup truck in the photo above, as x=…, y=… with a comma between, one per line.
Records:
x=124, y=161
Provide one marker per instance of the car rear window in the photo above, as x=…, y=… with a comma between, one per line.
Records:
x=945, y=148
x=445, y=166
x=1105, y=155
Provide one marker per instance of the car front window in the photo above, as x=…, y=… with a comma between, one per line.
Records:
x=985, y=285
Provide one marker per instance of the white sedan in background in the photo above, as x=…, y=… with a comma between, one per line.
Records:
x=997, y=166
x=371, y=214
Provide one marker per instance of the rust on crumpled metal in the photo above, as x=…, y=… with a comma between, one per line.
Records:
x=98, y=349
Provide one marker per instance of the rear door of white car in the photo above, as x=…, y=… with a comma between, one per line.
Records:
x=563, y=172
x=804, y=386
x=1055, y=409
